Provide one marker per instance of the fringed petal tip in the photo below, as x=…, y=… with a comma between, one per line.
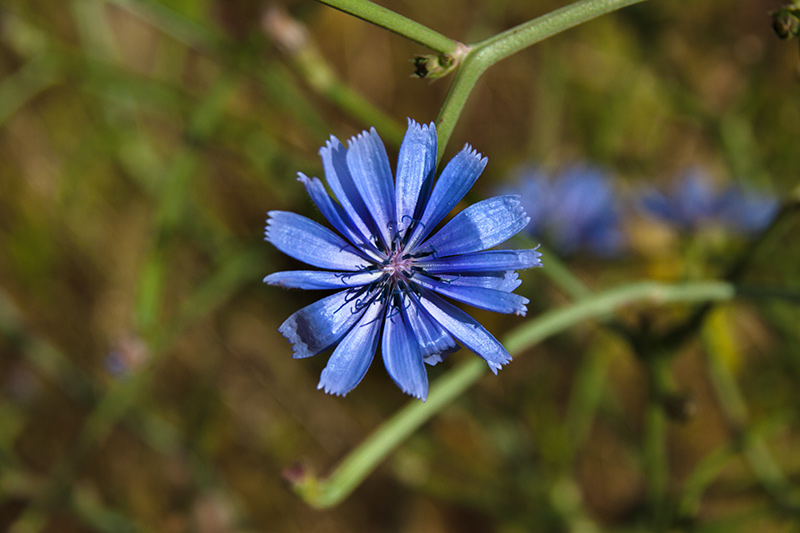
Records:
x=515, y=202
x=362, y=136
x=289, y=331
x=494, y=366
x=328, y=389
x=435, y=358
x=331, y=145
x=533, y=257
x=268, y=223
x=420, y=126
x=419, y=395
x=476, y=154
x=522, y=309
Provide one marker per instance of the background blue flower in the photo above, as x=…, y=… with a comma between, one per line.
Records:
x=695, y=202
x=584, y=214
x=391, y=272
x=575, y=210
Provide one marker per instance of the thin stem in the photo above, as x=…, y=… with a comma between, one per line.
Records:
x=394, y=22
x=490, y=51
x=655, y=442
x=560, y=274
x=713, y=464
x=509, y=42
x=734, y=407
x=291, y=36
x=363, y=459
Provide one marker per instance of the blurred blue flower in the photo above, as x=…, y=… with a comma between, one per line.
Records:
x=692, y=202
x=748, y=211
x=533, y=189
x=695, y=202
x=392, y=272
x=584, y=214
x=576, y=210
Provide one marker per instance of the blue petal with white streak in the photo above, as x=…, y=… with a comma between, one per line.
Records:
x=320, y=246
x=479, y=227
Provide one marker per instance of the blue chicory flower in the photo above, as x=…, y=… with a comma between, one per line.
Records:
x=391, y=272
x=695, y=202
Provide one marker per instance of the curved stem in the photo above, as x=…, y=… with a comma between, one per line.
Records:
x=494, y=49
x=394, y=22
x=362, y=460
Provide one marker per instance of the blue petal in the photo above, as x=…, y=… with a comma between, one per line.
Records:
x=478, y=227
x=336, y=215
x=351, y=358
x=320, y=279
x=434, y=342
x=457, y=178
x=488, y=261
x=337, y=174
x=369, y=167
x=401, y=355
x=318, y=326
x=505, y=281
x=480, y=297
x=416, y=167
x=312, y=243
x=467, y=330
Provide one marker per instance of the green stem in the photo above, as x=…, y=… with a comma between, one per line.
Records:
x=560, y=274
x=394, y=22
x=291, y=36
x=754, y=448
x=655, y=443
x=486, y=53
x=362, y=460
x=712, y=465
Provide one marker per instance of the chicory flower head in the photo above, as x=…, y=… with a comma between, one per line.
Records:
x=390, y=272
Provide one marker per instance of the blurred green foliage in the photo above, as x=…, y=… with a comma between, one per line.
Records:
x=143, y=384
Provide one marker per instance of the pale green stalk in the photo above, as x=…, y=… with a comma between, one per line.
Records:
x=394, y=22
x=363, y=459
x=486, y=53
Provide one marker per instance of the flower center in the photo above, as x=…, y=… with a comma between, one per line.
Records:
x=398, y=265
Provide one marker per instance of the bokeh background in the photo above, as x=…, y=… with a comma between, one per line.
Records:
x=143, y=384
